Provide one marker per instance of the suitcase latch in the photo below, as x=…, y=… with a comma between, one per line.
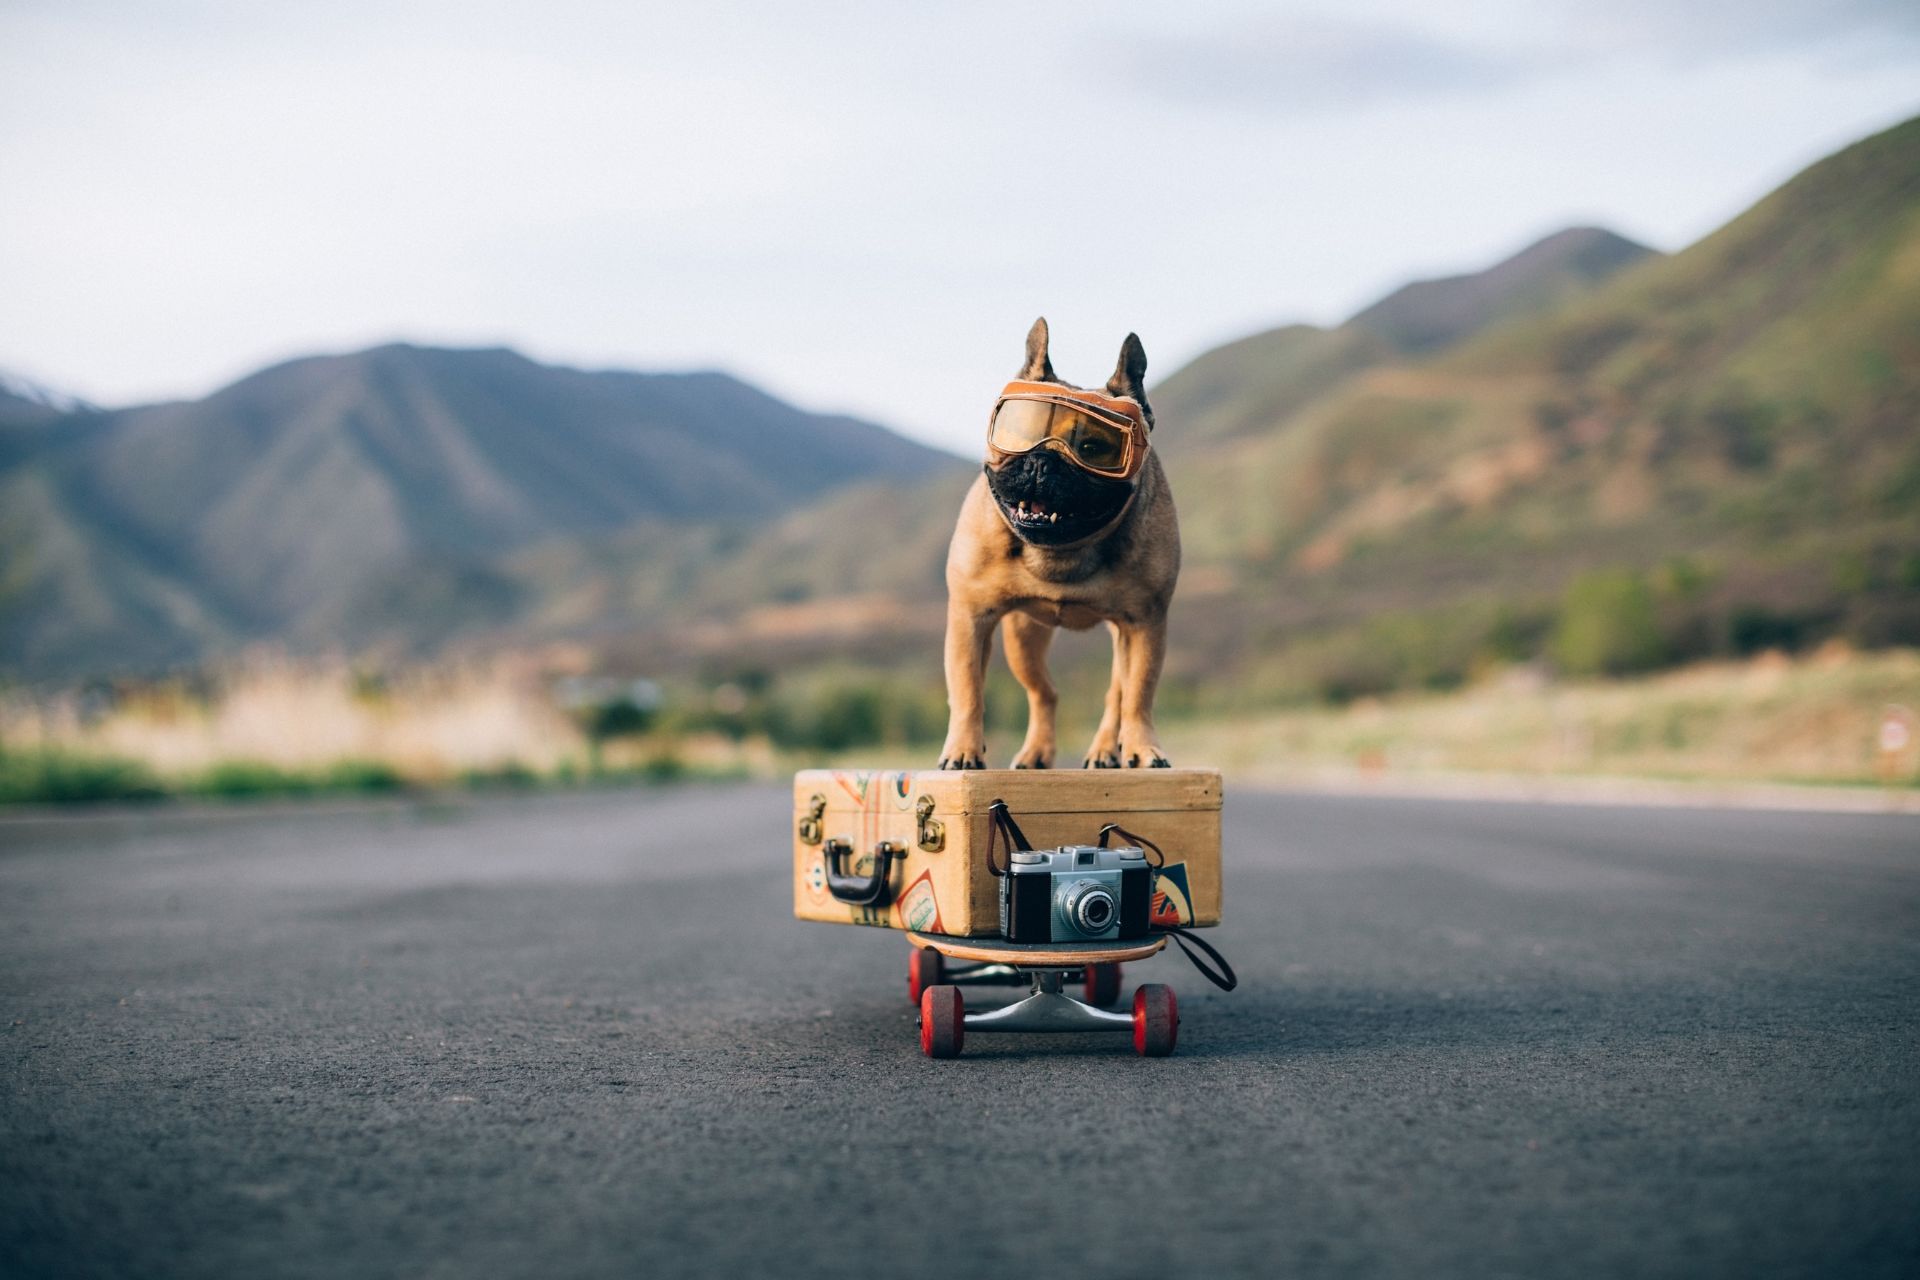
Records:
x=933, y=832
x=814, y=825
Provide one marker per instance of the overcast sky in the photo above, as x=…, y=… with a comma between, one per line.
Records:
x=859, y=206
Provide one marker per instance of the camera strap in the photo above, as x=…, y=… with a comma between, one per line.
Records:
x=1004, y=828
x=1222, y=978
x=1141, y=842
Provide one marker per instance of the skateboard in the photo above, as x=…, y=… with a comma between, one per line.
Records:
x=1046, y=968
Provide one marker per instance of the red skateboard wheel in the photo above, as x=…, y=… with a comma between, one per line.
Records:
x=1103, y=985
x=924, y=969
x=943, y=1022
x=1156, y=1021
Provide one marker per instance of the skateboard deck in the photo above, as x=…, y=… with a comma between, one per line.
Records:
x=1067, y=955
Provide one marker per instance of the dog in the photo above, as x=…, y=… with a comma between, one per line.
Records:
x=1058, y=531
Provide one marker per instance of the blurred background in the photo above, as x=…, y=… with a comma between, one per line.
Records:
x=507, y=395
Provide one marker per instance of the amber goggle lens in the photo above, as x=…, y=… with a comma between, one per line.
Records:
x=1020, y=425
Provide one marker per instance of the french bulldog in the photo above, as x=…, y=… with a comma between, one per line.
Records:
x=1070, y=524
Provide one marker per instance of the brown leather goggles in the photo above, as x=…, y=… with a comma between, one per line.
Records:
x=1104, y=434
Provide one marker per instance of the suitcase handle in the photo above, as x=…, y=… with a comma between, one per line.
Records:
x=860, y=891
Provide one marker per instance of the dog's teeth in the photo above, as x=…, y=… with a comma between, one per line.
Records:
x=1054, y=518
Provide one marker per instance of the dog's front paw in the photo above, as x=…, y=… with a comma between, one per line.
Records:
x=966, y=748
x=1034, y=758
x=1141, y=749
x=1104, y=751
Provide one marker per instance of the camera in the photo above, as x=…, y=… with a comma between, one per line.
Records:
x=1076, y=893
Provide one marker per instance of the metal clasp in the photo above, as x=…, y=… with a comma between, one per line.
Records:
x=814, y=825
x=932, y=831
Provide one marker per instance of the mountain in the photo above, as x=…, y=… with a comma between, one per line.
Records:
x=1427, y=315
x=1723, y=441
x=27, y=408
x=1257, y=381
x=287, y=504
x=1735, y=424
x=23, y=400
x=1715, y=450
x=1783, y=345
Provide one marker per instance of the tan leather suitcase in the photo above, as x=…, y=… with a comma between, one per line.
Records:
x=908, y=849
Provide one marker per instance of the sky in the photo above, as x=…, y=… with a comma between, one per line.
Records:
x=860, y=207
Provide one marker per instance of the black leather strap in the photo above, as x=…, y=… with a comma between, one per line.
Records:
x=1224, y=978
x=1004, y=827
x=1114, y=828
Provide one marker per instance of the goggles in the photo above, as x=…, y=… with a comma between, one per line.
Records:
x=1104, y=434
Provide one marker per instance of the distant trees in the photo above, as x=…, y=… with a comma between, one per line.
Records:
x=1608, y=625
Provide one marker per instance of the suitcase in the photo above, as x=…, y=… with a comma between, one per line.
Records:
x=908, y=849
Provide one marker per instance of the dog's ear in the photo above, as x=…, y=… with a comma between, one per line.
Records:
x=1130, y=375
x=1037, y=368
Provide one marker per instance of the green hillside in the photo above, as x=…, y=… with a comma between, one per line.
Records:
x=1430, y=315
x=1253, y=384
x=1640, y=459
x=1733, y=428
x=1589, y=455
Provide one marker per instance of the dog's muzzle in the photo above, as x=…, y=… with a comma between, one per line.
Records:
x=1051, y=502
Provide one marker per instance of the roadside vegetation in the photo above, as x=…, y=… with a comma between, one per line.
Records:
x=1818, y=717
x=278, y=729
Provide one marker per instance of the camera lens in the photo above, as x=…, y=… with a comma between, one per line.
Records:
x=1091, y=909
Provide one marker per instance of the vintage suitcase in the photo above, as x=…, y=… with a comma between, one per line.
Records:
x=930, y=829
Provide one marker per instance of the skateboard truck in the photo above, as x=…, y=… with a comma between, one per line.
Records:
x=1046, y=970
x=1048, y=1008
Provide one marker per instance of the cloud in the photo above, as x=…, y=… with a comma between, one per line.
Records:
x=1310, y=64
x=1719, y=30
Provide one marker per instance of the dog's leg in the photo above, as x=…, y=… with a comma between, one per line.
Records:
x=969, y=640
x=1104, y=753
x=1146, y=652
x=1028, y=640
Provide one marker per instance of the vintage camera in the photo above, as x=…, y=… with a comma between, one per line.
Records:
x=1076, y=893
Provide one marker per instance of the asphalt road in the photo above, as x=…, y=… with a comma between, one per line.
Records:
x=580, y=1035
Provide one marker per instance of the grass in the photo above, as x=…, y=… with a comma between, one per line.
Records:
x=65, y=777
x=1815, y=720
x=37, y=776
x=280, y=728
x=249, y=779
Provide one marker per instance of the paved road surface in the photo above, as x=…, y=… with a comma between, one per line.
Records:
x=580, y=1036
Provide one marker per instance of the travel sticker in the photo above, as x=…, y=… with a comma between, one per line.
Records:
x=918, y=909
x=1172, y=902
x=817, y=878
x=853, y=782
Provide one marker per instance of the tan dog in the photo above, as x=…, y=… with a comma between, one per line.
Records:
x=1063, y=534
